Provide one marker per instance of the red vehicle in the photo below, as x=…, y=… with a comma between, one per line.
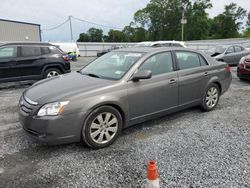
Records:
x=243, y=70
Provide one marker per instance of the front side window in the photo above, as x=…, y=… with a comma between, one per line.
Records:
x=158, y=64
x=187, y=60
x=29, y=51
x=230, y=50
x=112, y=65
x=8, y=52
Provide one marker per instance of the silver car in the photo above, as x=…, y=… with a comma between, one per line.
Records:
x=122, y=88
x=230, y=54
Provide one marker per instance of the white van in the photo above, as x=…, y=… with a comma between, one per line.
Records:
x=68, y=47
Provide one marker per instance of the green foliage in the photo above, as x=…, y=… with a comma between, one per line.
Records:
x=115, y=36
x=161, y=20
x=95, y=35
x=227, y=24
x=246, y=33
x=83, y=37
x=92, y=35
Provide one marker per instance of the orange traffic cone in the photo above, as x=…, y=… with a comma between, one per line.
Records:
x=152, y=176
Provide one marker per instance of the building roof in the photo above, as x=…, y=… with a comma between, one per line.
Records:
x=19, y=22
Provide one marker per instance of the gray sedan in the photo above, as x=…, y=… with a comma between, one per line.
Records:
x=122, y=88
x=230, y=54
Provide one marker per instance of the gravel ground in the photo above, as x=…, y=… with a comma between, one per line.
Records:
x=191, y=149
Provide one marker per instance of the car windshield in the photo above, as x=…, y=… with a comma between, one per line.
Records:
x=112, y=65
x=217, y=50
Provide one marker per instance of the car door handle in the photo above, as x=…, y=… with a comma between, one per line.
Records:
x=172, y=81
x=206, y=74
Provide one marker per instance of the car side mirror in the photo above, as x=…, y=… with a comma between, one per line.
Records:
x=143, y=74
x=229, y=52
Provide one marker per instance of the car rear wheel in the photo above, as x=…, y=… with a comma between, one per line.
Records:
x=211, y=97
x=52, y=72
x=102, y=127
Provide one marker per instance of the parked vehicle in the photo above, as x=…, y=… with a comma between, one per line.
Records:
x=243, y=70
x=161, y=44
x=31, y=61
x=120, y=89
x=230, y=54
x=71, y=48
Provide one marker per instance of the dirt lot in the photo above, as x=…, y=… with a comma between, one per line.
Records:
x=191, y=148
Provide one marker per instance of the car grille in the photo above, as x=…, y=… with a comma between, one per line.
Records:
x=26, y=105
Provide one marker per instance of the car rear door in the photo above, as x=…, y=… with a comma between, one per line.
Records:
x=230, y=56
x=240, y=52
x=31, y=61
x=8, y=61
x=191, y=75
x=155, y=95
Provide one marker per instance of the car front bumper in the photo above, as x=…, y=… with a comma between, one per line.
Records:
x=243, y=73
x=53, y=130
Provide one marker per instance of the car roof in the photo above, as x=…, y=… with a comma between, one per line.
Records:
x=26, y=43
x=153, y=49
x=151, y=43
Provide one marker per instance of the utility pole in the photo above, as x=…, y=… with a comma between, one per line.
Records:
x=183, y=22
x=71, y=32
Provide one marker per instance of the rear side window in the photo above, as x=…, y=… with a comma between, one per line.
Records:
x=45, y=50
x=158, y=64
x=187, y=60
x=8, y=52
x=29, y=51
x=203, y=62
x=238, y=49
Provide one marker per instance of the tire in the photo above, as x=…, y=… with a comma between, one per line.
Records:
x=102, y=127
x=51, y=72
x=211, y=97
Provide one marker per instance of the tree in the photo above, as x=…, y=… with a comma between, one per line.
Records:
x=136, y=34
x=198, y=24
x=115, y=36
x=162, y=18
x=227, y=24
x=83, y=37
x=92, y=35
x=246, y=32
x=95, y=35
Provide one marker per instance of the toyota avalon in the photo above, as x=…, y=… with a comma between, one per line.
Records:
x=122, y=88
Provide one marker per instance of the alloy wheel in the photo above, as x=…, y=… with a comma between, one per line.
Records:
x=212, y=97
x=103, y=128
x=52, y=74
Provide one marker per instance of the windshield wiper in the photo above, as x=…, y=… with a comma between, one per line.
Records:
x=90, y=74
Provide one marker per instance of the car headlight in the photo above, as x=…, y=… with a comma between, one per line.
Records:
x=52, y=109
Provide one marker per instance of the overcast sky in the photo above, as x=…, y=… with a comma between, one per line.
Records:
x=116, y=13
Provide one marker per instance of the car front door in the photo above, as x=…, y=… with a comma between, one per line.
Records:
x=8, y=61
x=157, y=94
x=191, y=77
x=31, y=61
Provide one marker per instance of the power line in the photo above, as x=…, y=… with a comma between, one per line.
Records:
x=100, y=25
x=56, y=26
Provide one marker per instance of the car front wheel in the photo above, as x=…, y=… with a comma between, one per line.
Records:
x=52, y=72
x=102, y=127
x=211, y=97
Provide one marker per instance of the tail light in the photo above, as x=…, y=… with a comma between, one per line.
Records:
x=228, y=69
x=65, y=57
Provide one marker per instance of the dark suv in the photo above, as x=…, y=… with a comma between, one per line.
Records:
x=31, y=61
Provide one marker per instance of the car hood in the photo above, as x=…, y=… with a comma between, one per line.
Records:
x=64, y=86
